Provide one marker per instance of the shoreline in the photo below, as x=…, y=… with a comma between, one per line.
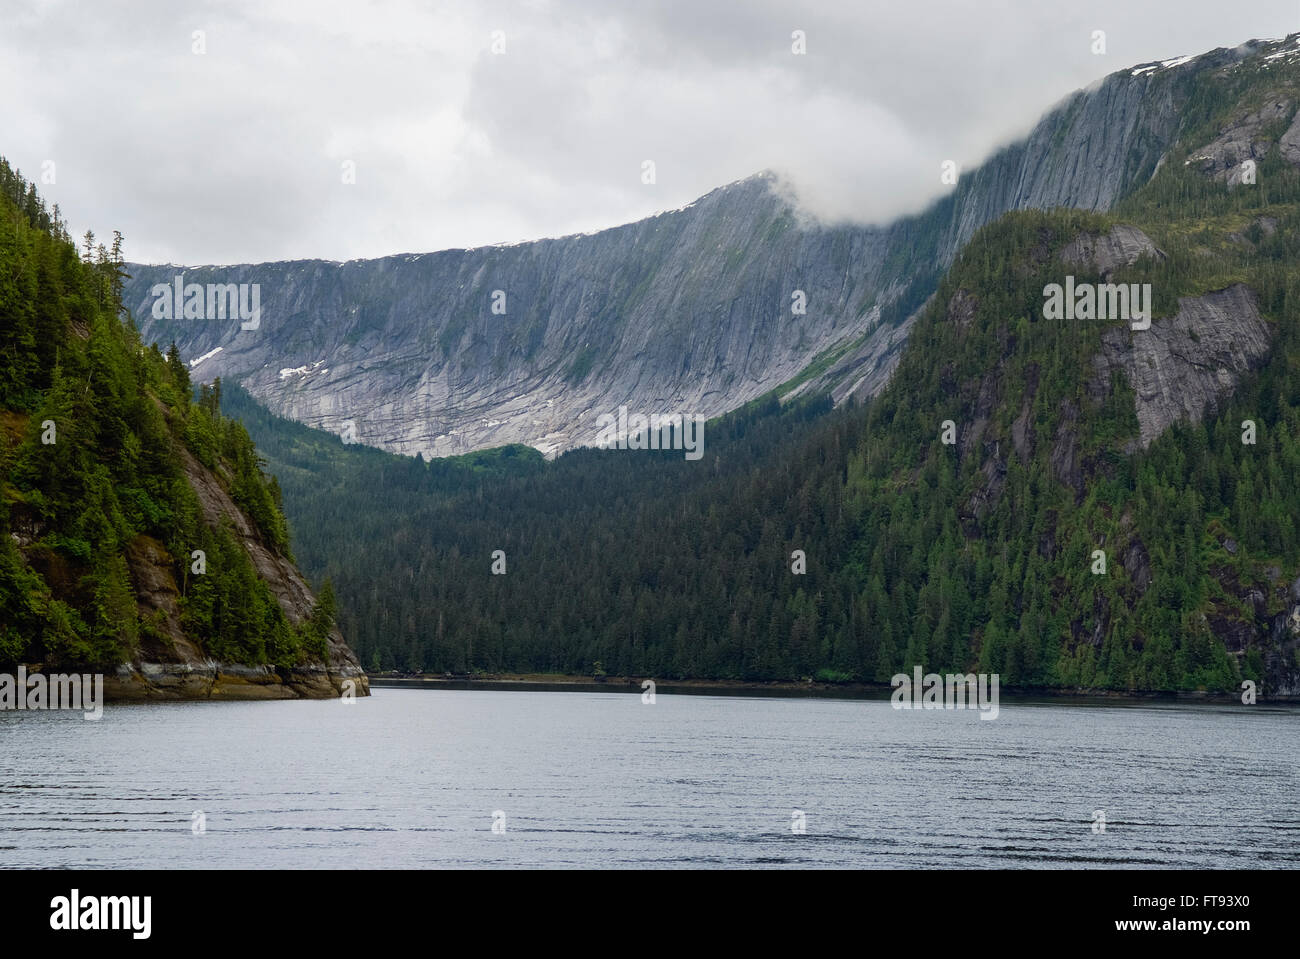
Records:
x=542, y=682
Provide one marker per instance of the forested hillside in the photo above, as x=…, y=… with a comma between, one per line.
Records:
x=1070, y=440
x=135, y=524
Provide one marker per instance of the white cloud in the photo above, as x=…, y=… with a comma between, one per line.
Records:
x=235, y=155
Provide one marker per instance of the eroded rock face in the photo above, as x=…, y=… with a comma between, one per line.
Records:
x=158, y=596
x=1122, y=246
x=961, y=309
x=280, y=575
x=1273, y=629
x=1138, y=564
x=865, y=369
x=1184, y=366
x=1065, y=454
x=172, y=666
x=1289, y=144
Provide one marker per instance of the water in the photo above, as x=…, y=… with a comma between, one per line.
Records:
x=412, y=778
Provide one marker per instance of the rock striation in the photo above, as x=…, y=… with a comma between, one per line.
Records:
x=1186, y=365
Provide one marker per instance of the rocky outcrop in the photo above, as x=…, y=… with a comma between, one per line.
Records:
x=1181, y=368
x=276, y=570
x=147, y=681
x=1289, y=144
x=1138, y=565
x=170, y=665
x=1249, y=135
x=1064, y=457
x=1261, y=618
x=1245, y=139
x=688, y=311
x=1122, y=246
x=1184, y=366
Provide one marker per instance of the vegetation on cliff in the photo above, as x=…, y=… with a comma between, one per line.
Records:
x=95, y=432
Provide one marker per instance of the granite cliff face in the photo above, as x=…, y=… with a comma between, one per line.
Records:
x=1186, y=365
x=688, y=311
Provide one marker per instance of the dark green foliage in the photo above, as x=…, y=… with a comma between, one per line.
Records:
x=115, y=474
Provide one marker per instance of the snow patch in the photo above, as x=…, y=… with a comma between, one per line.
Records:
x=206, y=356
x=1162, y=65
x=287, y=371
x=1285, y=54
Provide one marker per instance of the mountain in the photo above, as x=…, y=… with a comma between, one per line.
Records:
x=138, y=535
x=688, y=311
x=1074, y=501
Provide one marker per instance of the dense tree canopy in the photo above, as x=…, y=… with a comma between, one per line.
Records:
x=94, y=431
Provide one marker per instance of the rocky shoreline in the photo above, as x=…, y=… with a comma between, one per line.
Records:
x=151, y=682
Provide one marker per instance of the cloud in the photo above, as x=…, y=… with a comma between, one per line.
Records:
x=238, y=153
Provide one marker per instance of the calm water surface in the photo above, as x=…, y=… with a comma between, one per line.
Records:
x=412, y=778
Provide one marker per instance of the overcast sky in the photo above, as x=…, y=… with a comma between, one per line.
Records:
x=238, y=154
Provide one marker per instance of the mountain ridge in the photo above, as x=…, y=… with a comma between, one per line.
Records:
x=688, y=310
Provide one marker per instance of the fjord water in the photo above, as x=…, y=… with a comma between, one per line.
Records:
x=412, y=778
